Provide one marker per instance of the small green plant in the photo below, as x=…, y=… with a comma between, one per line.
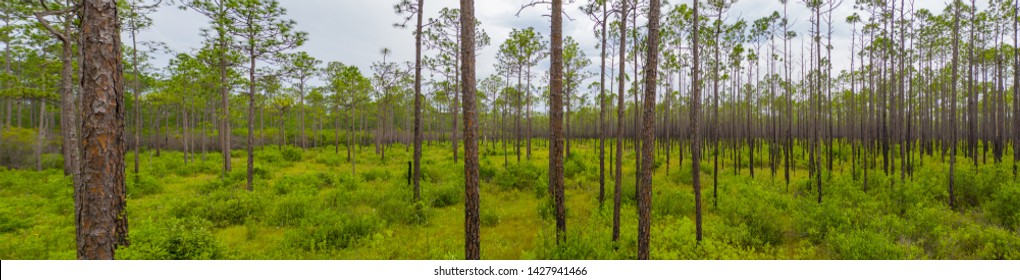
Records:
x=447, y=194
x=173, y=239
x=142, y=184
x=489, y=217
x=291, y=154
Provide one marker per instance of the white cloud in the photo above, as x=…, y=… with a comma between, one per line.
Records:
x=353, y=31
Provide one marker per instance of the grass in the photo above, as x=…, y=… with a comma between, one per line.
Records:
x=308, y=205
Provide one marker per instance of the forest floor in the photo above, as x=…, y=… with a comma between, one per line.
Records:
x=309, y=205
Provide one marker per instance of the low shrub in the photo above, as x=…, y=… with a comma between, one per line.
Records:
x=395, y=210
x=1004, y=207
x=574, y=165
x=222, y=208
x=10, y=223
x=487, y=171
x=447, y=194
x=375, y=174
x=519, y=176
x=173, y=239
x=867, y=245
x=289, y=210
x=291, y=154
x=333, y=232
x=489, y=217
x=141, y=185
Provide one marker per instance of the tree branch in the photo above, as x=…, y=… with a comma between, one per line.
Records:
x=41, y=16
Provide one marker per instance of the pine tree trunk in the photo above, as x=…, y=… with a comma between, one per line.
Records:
x=417, y=104
x=618, y=178
x=952, y=108
x=695, y=113
x=602, y=108
x=472, y=249
x=100, y=196
x=648, y=132
x=556, y=120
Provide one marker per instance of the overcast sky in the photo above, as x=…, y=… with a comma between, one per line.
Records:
x=353, y=31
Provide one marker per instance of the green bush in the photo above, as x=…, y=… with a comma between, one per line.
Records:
x=487, y=171
x=1004, y=207
x=395, y=210
x=289, y=210
x=447, y=194
x=10, y=223
x=291, y=154
x=519, y=176
x=142, y=184
x=375, y=174
x=489, y=217
x=332, y=232
x=347, y=181
x=303, y=184
x=817, y=222
x=672, y=202
x=864, y=245
x=682, y=176
x=573, y=166
x=222, y=208
x=173, y=239
x=547, y=208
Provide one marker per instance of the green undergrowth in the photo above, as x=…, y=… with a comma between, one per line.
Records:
x=317, y=204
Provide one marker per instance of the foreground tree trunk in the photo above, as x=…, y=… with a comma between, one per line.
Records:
x=695, y=125
x=618, y=178
x=99, y=197
x=556, y=119
x=648, y=132
x=472, y=249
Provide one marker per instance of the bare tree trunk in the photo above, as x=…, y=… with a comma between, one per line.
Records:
x=556, y=119
x=251, y=120
x=472, y=249
x=648, y=132
x=696, y=123
x=41, y=137
x=602, y=109
x=417, y=104
x=1016, y=90
x=952, y=107
x=618, y=178
x=225, y=134
x=100, y=196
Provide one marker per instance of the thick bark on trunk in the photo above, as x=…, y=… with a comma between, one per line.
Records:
x=100, y=196
x=472, y=249
x=556, y=119
x=648, y=133
x=695, y=126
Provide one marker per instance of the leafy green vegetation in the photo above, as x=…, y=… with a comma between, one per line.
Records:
x=314, y=208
